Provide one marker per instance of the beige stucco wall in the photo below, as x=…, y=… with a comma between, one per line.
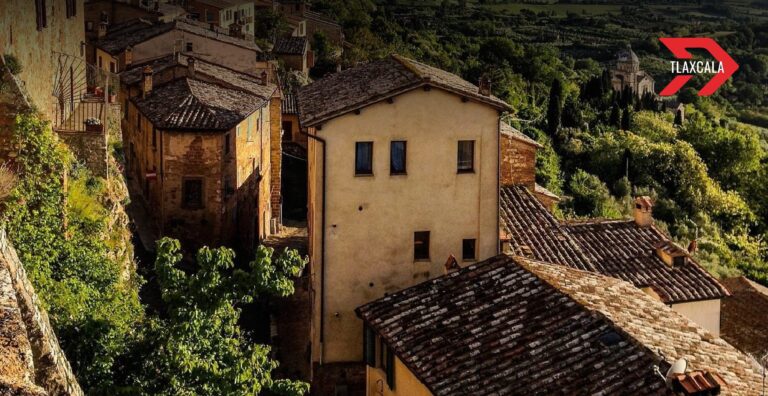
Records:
x=705, y=313
x=406, y=384
x=371, y=220
x=35, y=49
x=236, y=57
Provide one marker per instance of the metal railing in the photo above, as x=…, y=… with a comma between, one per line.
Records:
x=82, y=93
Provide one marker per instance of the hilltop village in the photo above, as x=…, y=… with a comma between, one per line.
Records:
x=436, y=264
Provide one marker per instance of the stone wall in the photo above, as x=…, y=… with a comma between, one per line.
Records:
x=276, y=157
x=518, y=162
x=52, y=371
x=88, y=147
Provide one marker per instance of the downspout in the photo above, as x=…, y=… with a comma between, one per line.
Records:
x=322, y=249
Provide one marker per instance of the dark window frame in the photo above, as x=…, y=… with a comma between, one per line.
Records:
x=360, y=171
x=465, y=249
x=420, y=239
x=71, y=8
x=461, y=161
x=288, y=133
x=392, y=167
x=227, y=144
x=369, y=346
x=189, y=47
x=154, y=137
x=41, y=14
x=185, y=193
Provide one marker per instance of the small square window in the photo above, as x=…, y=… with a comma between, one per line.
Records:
x=421, y=245
x=192, y=193
x=469, y=249
x=466, y=156
x=364, y=158
x=189, y=46
x=397, y=157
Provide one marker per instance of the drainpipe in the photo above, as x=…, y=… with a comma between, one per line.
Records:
x=322, y=249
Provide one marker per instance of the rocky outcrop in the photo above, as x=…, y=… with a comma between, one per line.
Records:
x=31, y=360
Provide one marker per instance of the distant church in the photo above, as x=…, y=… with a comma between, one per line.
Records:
x=627, y=73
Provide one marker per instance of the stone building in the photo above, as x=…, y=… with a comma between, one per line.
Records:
x=627, y=73
x=294, y=52
x=199, y=149
x=42, y=35
x=511, y=325
x=408, y=156
x=224, y=13
x=141, y=40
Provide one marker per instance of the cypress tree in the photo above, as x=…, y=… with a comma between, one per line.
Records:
x=626, y=119
x=555, y=107
x=615, y=118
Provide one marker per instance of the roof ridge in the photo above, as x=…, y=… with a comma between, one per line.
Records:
x=407, y=63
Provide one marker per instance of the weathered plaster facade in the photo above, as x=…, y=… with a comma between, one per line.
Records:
x=232, y=183
x=38, y=51
x=705, y=313
x=370, y=225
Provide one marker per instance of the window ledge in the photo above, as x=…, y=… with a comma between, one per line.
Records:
x=363, y=174
x=422, y=260
x=398, y=173
x=462, y=171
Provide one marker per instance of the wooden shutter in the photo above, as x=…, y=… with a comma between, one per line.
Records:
x=390, y=369
x=369, y=347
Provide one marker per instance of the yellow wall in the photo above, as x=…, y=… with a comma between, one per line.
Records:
x=705, y=313
x=406, y=384
x=369, y=252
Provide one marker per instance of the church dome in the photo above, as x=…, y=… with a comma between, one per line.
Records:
x=627, y=56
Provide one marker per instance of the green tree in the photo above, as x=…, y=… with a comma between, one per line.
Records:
x=615, y=118
x=199, y=347
x=626, y=119
x=555, y=106
x=591, y=196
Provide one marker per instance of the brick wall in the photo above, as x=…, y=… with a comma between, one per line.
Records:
x=276, y=157
x=88, y=147
x=518, y=162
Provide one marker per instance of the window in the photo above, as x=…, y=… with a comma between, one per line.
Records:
x=468, y=249
x=227, y=144
x=40, y=14
x=112, y=67
x=71, y=8
x=388, y=363
x=138, y=121
x=364, y=158
x=287, y=131
x=189, y=46
x=249, y=134
x=101, y=62
x=397, y=150
x=421, y=245
x=154, y=137
x=466, y=158
x=369, y=346
x=192, y=193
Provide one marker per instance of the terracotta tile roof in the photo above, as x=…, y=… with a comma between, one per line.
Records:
x=497, y=328
x=290, y=45
x=615, y=248
x=132, y=33
x=222, y=74
x=188, y=104
x=354, y=88
x=509, y=325
x=624, y=250
x=744, y=316
x=289, y=104
x=534, y=232
x=654, y=325
x=511, y=131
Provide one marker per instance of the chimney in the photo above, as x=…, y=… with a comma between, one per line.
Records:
x=102, y=31
x=146, y=81
x=643, y=211
x=451, y=264
x=670, y=253
x=191, y=67
x=128, y=54
x=264, y=78
x=485, y=86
